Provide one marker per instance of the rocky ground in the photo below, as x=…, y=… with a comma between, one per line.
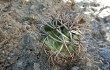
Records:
x=99, y=37
x=20, y=21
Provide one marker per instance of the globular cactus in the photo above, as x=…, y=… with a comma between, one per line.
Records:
x=59, y=39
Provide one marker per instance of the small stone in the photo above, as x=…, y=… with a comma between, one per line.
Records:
x=27, y=0
x=8, y=58
x=26, y=23
x=20, y=63
x=32, y=7
x=36, y=66
x=28, y=27
x=3, y=52
x=12, y=54
x=75, y=68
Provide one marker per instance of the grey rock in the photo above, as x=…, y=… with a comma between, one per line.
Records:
x=26, y=61
x=105, y=53
x=28, y=41
x=75, y=68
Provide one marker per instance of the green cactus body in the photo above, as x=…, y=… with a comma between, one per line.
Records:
x=54, y=39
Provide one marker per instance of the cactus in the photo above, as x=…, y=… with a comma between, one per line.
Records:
x=59, y=39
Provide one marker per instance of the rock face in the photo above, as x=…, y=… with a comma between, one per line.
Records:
x=105, y=53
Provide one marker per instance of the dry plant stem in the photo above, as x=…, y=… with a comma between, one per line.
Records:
x=58, y=37
x=51, y=26
x=76, y=20
x=79, y=49
x=66, y=45
x=50, y=58
x=55, y=39
x=61, y=33
x=63, y=24
x=71, y=36
x=52, y=37
x=80, y=45
x=44, y=47
x=59, y=50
